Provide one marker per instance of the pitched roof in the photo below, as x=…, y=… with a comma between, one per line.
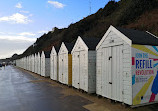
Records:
x=69, y=46
x=47, y=54
x=57, y=48
x=91, y=42
x=139, y=37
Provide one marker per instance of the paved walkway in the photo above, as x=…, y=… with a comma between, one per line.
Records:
x=21, y=90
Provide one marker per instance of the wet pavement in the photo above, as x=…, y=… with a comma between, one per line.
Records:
x=21, y=90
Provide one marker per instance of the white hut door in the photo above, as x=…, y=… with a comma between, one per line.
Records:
x=77, y=78
x=106, y=73
x=112, y=73
x=81, y=70
x=52, y=67
x=66, y=68
x=60, y=68
x=41, y=66
x=62, y=62
x=117, y=72
x=44, y=66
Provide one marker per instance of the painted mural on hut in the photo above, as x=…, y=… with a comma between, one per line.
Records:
x=145, y=74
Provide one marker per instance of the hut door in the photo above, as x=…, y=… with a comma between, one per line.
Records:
x=112, y=73
x=44, y=66
x=106, y=73
x=117, y=72
x=62, y=73
x=81, y=67
x=52, y=67
x=77, y=78
x=41, y=66
x=60, y=68
x=66, y=69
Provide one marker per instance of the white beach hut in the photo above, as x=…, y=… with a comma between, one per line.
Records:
x=36, y=63
x=65, y=63
x=33, y=63
x=30, y=61
x=27, y=63
x=39, y=63
x=127, y=66
x=54, y=63
x=45, y=63
x=84, y=64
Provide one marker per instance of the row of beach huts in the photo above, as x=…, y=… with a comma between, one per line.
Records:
x=122, y=66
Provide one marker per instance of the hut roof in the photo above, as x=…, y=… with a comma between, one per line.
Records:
x=91, y=42
x=47, y=54
x=139, y=37
x=69, y=46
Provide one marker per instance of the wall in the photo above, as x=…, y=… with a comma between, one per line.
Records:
x=91, y=71
x=98, y=71
x=47, y=67
x=144, y=74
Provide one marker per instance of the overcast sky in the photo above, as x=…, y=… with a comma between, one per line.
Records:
x=23, y=21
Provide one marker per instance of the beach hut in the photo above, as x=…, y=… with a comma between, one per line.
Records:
x=65, y=63
x=39, y=63
x=33, y=63
x=84, y=64
x=127, y=66
x=36, y=63
x=45, y=63
x=54, y=63
x=27, y=63
x=21, y=62
x=23, y=59
x=30, y=61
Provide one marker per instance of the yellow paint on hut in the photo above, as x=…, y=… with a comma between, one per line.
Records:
x=69, y=69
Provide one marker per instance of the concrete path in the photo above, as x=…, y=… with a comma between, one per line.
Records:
x=21, y=90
